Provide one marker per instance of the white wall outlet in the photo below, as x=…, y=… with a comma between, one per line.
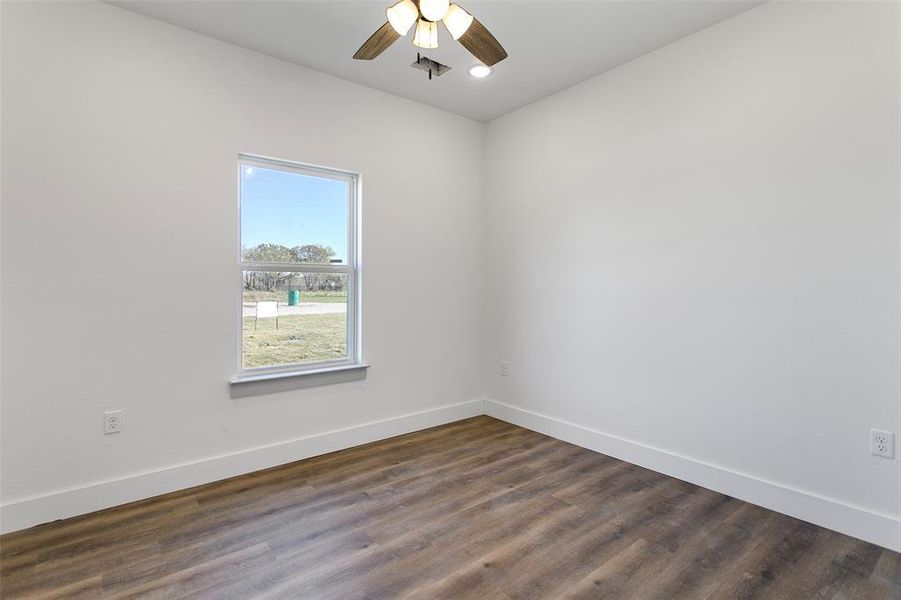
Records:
x=505, y=368
x=882, y=443
x=112, y=421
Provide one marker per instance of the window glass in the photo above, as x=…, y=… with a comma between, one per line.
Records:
x=293, y=318
x=291, y=217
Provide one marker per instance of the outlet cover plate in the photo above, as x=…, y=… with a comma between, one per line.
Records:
x=882, y=443
x=112, y=422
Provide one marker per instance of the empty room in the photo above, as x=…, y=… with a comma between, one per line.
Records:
x=497, y=299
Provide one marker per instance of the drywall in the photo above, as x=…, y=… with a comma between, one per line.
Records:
x=697, y=253
x=119, y=241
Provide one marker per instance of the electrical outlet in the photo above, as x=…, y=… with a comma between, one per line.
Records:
x=505, y=368
x=882, y=443
x=112, y=421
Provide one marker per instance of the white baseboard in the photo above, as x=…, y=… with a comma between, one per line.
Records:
x=105, y=494
x=855, y=521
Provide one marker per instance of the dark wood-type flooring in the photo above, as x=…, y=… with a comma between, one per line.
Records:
x=475, y=509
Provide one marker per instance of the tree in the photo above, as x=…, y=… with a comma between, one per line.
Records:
x=269, y=253
x=266, y=281
x=269, y=281
x=314, y=253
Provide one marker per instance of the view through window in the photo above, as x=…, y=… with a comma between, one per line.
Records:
x=298, y=266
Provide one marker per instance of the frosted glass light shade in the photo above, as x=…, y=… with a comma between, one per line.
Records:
x=433, y=10
x=402, y=16
x=426, y=35
x=457, y=21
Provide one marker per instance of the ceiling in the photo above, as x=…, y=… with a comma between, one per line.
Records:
x=552, y=45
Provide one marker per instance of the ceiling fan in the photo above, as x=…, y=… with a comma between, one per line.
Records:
x=425, y=14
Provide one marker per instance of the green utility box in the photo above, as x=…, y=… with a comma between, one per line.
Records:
x=293, y=297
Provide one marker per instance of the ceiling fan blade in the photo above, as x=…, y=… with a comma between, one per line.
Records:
x=378, y=42
x=482, y=44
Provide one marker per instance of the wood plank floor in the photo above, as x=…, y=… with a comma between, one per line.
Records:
x=475, y=509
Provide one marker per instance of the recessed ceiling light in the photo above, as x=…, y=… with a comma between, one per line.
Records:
x=480, y=71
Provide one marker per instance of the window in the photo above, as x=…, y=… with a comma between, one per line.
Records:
x=298, y=268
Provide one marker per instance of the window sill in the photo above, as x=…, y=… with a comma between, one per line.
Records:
x=296, y=374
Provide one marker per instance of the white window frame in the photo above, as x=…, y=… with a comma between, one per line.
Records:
x=351, y=268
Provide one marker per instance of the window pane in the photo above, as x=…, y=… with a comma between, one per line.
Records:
x=293, y=318
x=289, y=217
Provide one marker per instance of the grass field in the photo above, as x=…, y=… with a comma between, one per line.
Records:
x=282, y=296
x=299, y=338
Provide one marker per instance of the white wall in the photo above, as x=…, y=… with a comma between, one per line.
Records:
x=699, y=252
x=120, y=142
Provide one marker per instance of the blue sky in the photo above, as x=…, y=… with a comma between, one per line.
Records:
x=292, y=210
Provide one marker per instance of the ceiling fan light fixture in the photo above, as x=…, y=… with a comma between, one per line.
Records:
x=457, y=21
x=480, y=71
x=465, y=29
x=426, y=35
x=403, y=16
x=433, y=10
